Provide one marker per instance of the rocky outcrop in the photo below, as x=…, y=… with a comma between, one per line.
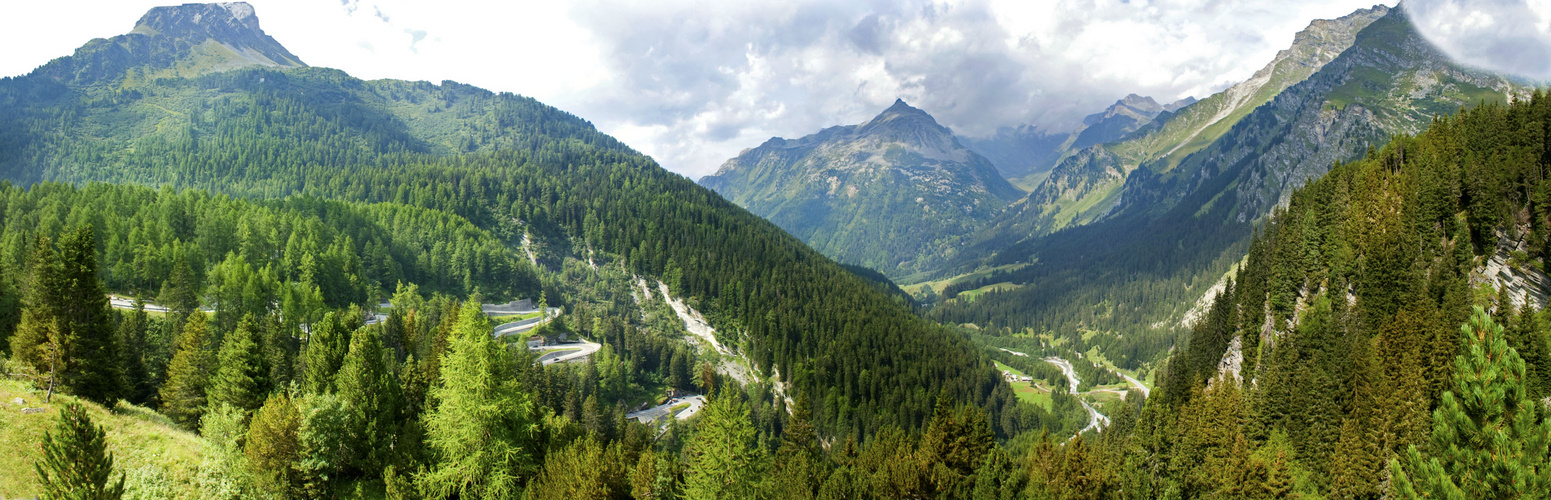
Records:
x=1523, y=282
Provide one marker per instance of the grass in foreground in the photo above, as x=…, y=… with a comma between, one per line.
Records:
x=145, y=445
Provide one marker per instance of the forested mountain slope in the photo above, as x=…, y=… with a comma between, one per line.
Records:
x=1178, y=227
x=895, y=193
x=1348, y=338
x=510, y=166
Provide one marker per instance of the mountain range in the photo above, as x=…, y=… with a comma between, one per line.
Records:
x=1320, y=283
x=1026, y=154
x=1142, y=196
x=1157, y=219
x=197, y=97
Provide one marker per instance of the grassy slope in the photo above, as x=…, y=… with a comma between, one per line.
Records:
x=1026, y=391
x=138, y=438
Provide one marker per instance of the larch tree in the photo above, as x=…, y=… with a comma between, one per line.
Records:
x=272, y=447
x=722, y=456
x=482, y=429
x=38, y=341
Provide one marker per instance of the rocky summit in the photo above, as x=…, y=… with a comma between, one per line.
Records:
x=183, y=40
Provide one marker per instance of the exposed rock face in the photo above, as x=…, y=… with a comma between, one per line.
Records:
x=890, y=194
x=1121, y=118
x=181, y=40
x=1391, y=81
x=1087, y=180
x=1524, y=283
x=1231, y=368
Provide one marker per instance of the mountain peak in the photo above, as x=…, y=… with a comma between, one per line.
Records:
x=901, y=108
x=902, y=118
x=234, y=25
x=184, y=40
x=1138, y=102
x=213, y=20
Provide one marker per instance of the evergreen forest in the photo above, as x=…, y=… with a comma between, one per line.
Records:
x=277, y=283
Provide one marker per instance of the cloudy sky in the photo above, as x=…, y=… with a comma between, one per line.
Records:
x=692, y=83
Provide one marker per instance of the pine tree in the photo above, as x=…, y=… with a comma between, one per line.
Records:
x=242, y=380
x=1487, y=441
x=482, y=428
x=370, y=389
x=95, y=372
x=76, y=463
x=131, y=335
x=326, y=348
x=183, y=395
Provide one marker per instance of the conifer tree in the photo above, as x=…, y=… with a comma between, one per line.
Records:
x=482, y=428
x=272, y=447
x=183, y=395
x=180, y=293
x=583, y=470
x=95, y=372
x=131, y=335
x=40, y=341
x=1360, y=454
x=242, y=380
x=722, y=456
x=370, y=389
x=326, y=348
x=798, y=470
x=1487, y=440
x=643, y=477
x=955, y=443
x=76, y=463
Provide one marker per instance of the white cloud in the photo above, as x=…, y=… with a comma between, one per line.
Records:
x=1511, y=36
x=693, y=82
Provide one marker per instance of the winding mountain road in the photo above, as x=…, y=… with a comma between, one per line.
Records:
x=1096, y=420
x=1146, y=393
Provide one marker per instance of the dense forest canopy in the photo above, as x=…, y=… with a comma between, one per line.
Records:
x=1378, y=340
x=519, y=170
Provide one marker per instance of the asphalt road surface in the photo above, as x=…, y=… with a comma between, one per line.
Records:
x=661, y=411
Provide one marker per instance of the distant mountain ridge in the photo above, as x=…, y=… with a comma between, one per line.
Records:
x=888, y=194
x=1023, y=153
x=1161, y=216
